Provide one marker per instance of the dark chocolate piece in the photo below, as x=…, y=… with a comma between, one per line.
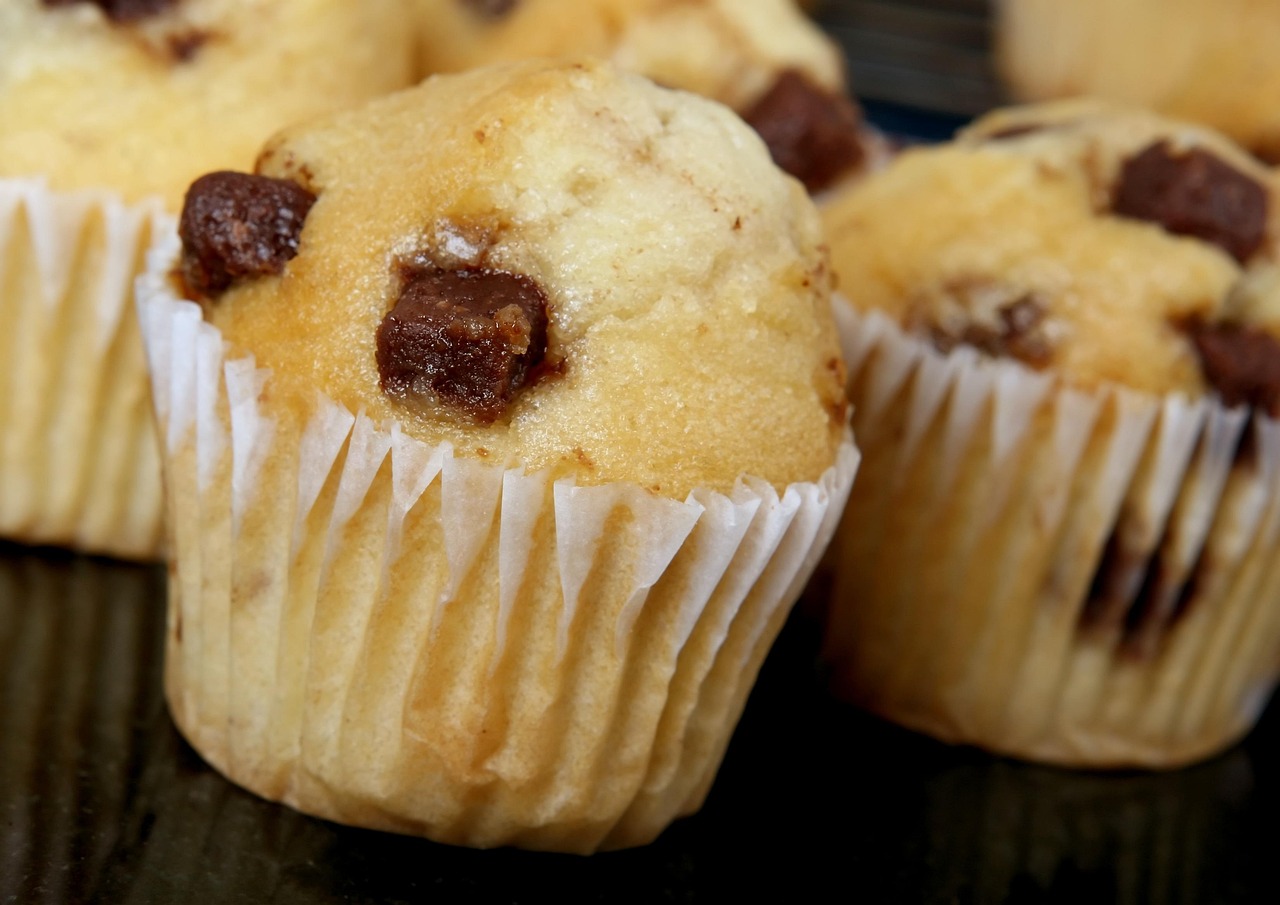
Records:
x=1241, y=362
x=123, y=10
x=1016, y=336
x=469, y=339
x=490, y=9
x=1192, y=193
x=183, y=46
x=1136, y=594
x=237, y=225
x=812, y=134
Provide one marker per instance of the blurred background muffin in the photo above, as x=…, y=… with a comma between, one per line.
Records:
x=140, y=96
x=762, y=58
x=1065, y=370
x=109, y=110
x=1213, y=61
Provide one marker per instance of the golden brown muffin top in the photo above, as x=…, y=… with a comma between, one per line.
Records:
x=763, y=58
x=645, y=294
x=141, y=96
x=1108, y=244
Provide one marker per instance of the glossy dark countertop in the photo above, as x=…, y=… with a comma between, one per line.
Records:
x=101, y=800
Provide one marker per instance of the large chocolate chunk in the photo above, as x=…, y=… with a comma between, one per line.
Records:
x=812, y=134
x=1019, y=334
x=1241, y=362
x=122, y=10
x=235, y=225
x=1190, y=192
x=466, y=338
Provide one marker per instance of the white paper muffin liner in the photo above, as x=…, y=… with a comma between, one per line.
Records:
x=1083, y=578
x=375, y=631
x=79, y=460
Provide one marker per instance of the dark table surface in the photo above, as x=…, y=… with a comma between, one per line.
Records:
x=102, y=801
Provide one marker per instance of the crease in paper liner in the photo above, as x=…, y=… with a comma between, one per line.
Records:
x=58, y=227
x=749, y=537
x=1172, y=507
x=56, y=222
x=969, y=382
x=1179, y=427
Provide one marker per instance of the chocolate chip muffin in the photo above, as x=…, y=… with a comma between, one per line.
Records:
x=109, y=110
x=763, y=58
x=477, y=532
x=141, y=96
x=1065, y=366
x=1212, y=61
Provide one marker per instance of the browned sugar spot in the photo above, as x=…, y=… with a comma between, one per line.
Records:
x=236, y=226
x=1016, y=336
x=1241, y=362
x=468, y=339
x=122, y=10
x=812, y=133
x=1193, y=193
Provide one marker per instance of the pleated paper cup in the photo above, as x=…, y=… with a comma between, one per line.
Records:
x=376, y=631
x=79, y=459
x=1085, y=578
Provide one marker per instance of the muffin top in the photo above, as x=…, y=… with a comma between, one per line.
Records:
x=143, y=95
x=763, y=58
x=1109, y=244
x=550, y=263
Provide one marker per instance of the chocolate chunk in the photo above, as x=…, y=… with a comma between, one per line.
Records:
x=184, y=45
x=1017, y=335
x=490, y=9
x=812, y=134
x=237, y=225
x=123, y=10
x=1241, y=362
x=1136, y=594
x=469, y=339
x=1192, y=193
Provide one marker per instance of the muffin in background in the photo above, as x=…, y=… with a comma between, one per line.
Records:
x=477, y=535
x=1061, y=333
x=110, y=109
x=1213, y=61
x=763, y=58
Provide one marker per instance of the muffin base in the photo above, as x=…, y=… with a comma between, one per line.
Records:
x=79, y=459
x=1080, y=578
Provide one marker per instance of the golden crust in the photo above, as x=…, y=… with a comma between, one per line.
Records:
x=87, y=103
x=1018, y=208
x=686, y=278
x=729, y=50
